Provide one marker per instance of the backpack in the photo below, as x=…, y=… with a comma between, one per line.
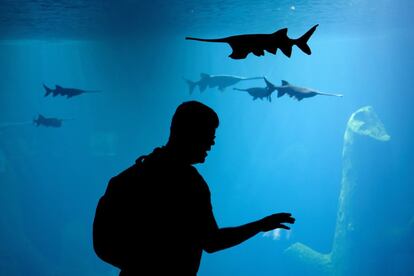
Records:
x=110, y=224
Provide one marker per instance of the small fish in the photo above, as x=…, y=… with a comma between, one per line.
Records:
x=219, y=81
x=68, y=92
x=242, y=45
x=299, y=92
x=48, y=122
x=260, y=92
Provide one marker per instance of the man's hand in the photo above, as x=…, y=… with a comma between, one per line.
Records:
x=276, y=221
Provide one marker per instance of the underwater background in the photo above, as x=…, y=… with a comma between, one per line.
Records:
x=342, y=166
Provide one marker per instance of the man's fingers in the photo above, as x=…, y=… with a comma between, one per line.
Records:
x=290, y=220
x=277, y=220
x=286, y=217
x=284, y=214
x=284, y=226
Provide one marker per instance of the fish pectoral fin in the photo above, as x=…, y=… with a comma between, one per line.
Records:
x=258, y=52
x=272, y=50
x=238, y=52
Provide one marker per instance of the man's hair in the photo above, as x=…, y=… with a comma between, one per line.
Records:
x=192, y=118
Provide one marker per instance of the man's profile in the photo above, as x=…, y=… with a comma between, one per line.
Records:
x=156, y=218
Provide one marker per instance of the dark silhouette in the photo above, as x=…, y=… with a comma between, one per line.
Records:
x=219, y=81
x=156, y=218
x=242, y=45
x=260, y=92
x=299, y=92
x=47, y=122
x=68, y=92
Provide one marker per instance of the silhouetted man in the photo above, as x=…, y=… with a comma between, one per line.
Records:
x=163, y=218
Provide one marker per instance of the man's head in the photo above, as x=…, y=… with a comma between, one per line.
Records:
x=192, y=130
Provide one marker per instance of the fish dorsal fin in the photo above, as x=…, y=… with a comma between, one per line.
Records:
x=281, y=31
x=41, y=116
x=285, y=82
x=268, y=83
x=204, y=75
x=58, y=86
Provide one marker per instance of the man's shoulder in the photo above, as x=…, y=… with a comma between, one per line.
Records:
x=127, y=173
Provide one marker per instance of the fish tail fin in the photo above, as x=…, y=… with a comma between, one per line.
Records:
x=47, y=89
x=191, y=85
x=302, y=42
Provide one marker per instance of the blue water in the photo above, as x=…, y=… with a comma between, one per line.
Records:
x=269, y=157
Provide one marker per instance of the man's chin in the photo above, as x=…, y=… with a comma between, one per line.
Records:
x=199, y=159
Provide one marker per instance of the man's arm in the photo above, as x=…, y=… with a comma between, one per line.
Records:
x=223, y=238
